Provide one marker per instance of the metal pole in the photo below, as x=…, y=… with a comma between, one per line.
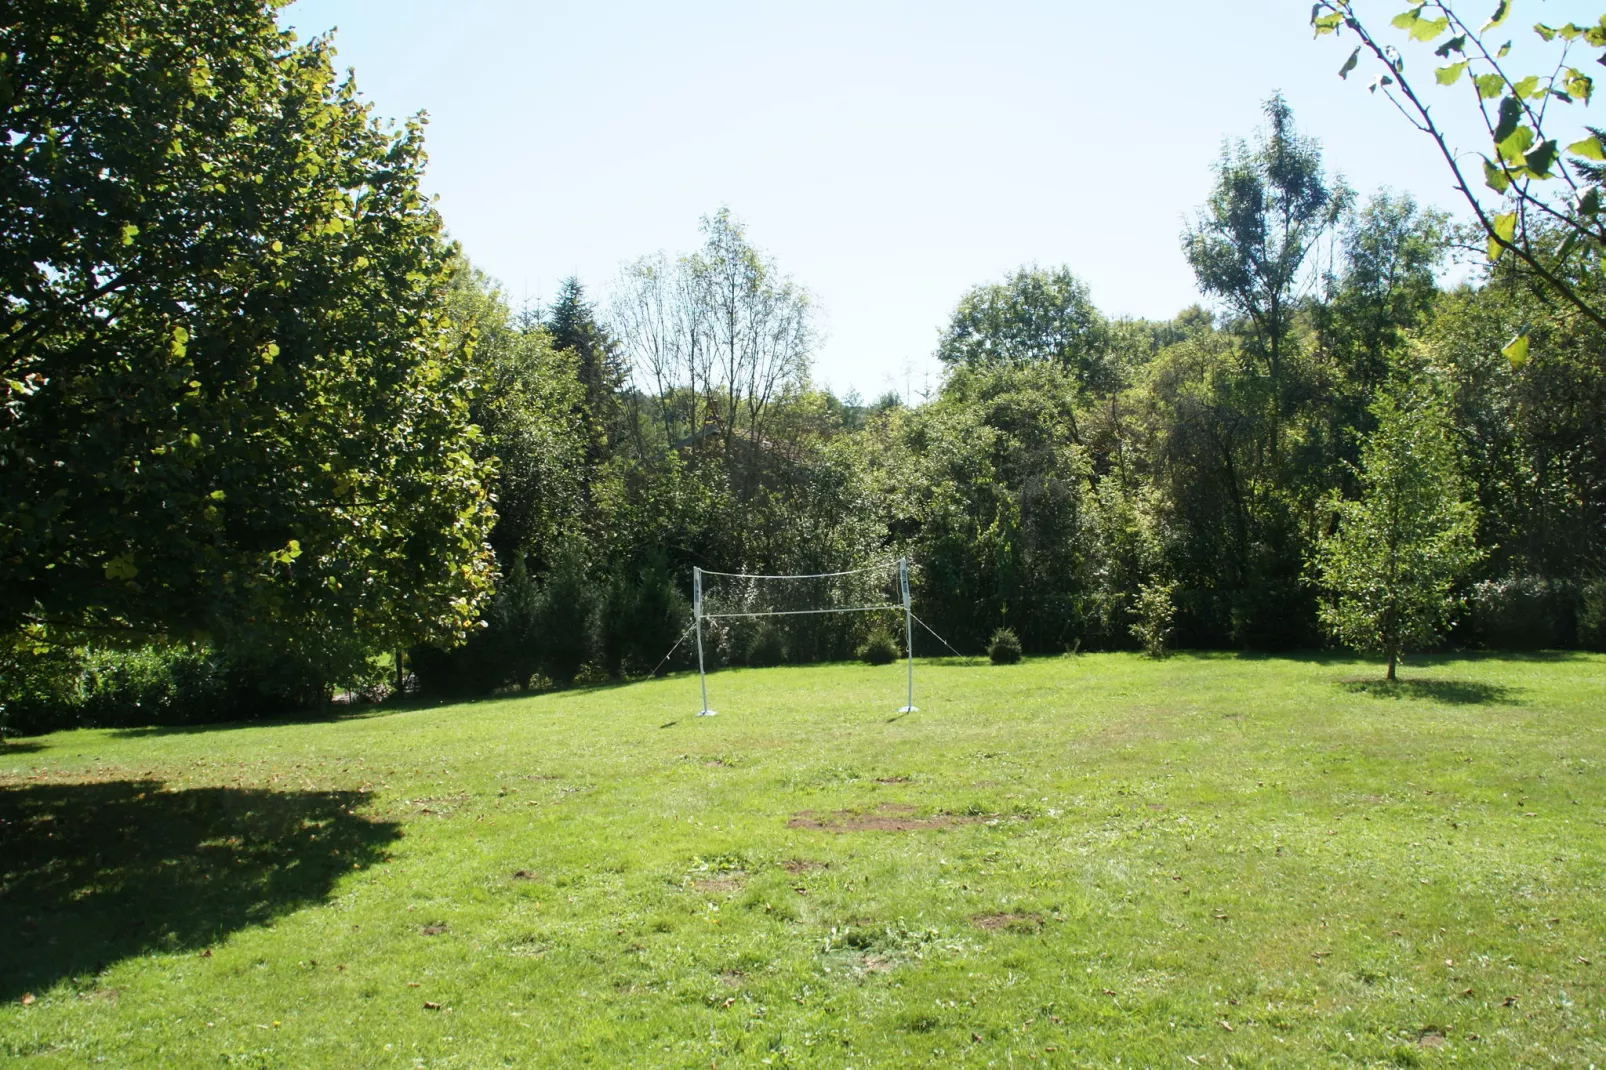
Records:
x=697, y=611
x=908, y=630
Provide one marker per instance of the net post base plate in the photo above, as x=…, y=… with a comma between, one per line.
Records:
x=908, y=709
x=707, y=713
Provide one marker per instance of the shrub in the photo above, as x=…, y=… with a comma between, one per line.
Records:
x=1004, y=648
x=879, y=648
x=1154, y=613
x=1522, y=613
x=766, y=647
x=1592, y=615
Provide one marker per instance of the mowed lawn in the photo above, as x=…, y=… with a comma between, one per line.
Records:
x=1080, y=861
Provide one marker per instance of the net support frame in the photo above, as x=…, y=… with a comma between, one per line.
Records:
x=697, y=610
x=908, y=632
x=698, y=616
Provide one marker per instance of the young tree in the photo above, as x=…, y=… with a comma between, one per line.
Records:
x=599, y=363
x=1392, y=561
x=232, y=405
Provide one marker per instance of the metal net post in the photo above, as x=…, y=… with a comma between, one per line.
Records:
x=908, y=630
x=697, y=611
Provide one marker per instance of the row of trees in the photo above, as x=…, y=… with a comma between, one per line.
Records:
x=266, y=432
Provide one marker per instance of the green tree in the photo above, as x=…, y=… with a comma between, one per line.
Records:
x=1033, y=316
x=600, y=365
x=1396, y=553
x=1251, y=243
x=1533, y=202
x=232, y=402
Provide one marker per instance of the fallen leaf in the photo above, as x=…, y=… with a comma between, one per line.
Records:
x=412, y=984
x=1583, y=960
x=1109, y=991
x=728, y=1002
x=1226, y=1025
x=206, y=953
x=1510, y=1001
x=428, y=1006
x=1221, y=917
x=975, y=1038
x=27, y=998
x=1468, y=992
x=1233, y=1002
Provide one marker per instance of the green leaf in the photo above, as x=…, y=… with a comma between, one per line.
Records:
x=1514, y=148
x=121, y=567
x=1325, y=23
x=1380, y=80
x=1489, y=85
x=1428, y=29
x=1589, y=201
x=1406, y=19
x=1451, y=74
x=1526, y=87
x=1589, y=148
x=1544, y=31
x=1540, y=159
x=1494, y=176
x=1454, y=44
x=1579, y=84
x=130, y=232
x=1504, y=228
x=1516, y=350
x=1498, y=17
x=1503, y=51
x=1349, y=64
x=1510, y=115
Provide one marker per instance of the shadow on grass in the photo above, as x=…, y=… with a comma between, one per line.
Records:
x=94, y=873
x=1450, y=692
x=10, y=749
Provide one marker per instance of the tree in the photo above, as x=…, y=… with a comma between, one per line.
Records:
x=1396, y=553
x=572, y=325
x=1249, y=245
x=720, y=335
x=232, y=406
x=1033, y=316
x=1534, y=203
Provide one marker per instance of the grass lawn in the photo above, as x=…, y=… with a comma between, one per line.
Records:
x=1089, y=861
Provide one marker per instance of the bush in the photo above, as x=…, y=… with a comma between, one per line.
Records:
x=567, y=617
x=1523, y=613
x=1004, y=648
x=1154, y=614
x=1592, y=615
x=879, y=648
x=766, y=647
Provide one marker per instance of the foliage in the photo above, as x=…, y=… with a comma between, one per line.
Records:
x=1398, y=550
x=766, y=647
x=1004, y=647
x=1034, y=316
x=1592, y=615
x=233, y=411
x=1153, y=615
x=1544, y=182
x=878, y=648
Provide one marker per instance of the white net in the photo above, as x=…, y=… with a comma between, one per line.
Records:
x=767, y=620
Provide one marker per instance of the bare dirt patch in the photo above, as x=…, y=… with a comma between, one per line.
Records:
x=1015, y=922
x=720, y=884
x=800, y=865
x=892, y=780
x=526, y=875
x=888, y=817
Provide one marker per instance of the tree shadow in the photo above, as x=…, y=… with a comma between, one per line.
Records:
x=1449, y=692
x=9, y=748
x=94, y=873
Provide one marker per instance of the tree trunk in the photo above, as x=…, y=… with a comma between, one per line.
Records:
x=1394, y=657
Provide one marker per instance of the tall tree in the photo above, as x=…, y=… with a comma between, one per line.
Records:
x=599, y=362
x=1251, y=243
x=720, y=335
x=1397, y=551
x=1033, y=316
x=233, y=405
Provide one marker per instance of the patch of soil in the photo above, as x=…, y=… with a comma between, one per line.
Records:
x=799, y=865
x=717, y=762
x=1430, y=1038
x=892, y=780
x=1156, y=806
x=888, y=817
x=526, y=875
x=1014, y=922
x=876, y=964
x=722, y=884
x=434, y=930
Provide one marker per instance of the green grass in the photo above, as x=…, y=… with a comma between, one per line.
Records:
x=1234, y=861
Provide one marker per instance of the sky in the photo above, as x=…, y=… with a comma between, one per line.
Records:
x=889, y=156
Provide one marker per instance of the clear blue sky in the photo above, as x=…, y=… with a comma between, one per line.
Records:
x=888, y=155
